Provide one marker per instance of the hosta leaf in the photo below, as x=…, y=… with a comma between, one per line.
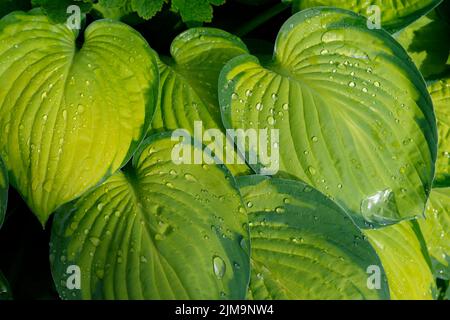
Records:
x=155, y=231
x=354, y=116
x=426, y=43
x=436, y=231
x=440, y=93
x=5, y=291
x=405, y=260
x=304, y=246
x=188, y=86
x=70, y=117
x=394, y=14
x=3, y=191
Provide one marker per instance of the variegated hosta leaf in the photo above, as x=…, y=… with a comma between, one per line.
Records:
x=426, y=42
x=440, y=93
x=393, y=14
x=406, y=261
x=304, y=246
x=3, y=191
x=354, y=116
x=189, y=84
x=70, y=116
x=155, y=231
x=436, y=231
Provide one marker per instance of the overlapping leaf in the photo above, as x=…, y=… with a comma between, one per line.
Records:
x=436, y=230
x=406, y=261
x=188, y=87
x=440, y=93
x=353, y=113
x=155, y=231
x=394, y=14
x=70, y=116
x=304, y=246
x=426, y=43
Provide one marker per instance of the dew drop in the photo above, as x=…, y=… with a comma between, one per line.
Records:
x=95, y=241
x=219, y=267
x=312, y=170
x=190, y=177
x=279, y=210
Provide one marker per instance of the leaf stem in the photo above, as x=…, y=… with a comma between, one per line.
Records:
x=261, y=19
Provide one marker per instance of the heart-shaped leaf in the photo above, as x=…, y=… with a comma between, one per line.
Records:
x=304, y=246
x=393, y=15
x=436, y=231
x=3, y=191
x=155, y=231
x=440, y=93
x=405, y=259
x=354, y=116
x=189, y=84
x=70, y=116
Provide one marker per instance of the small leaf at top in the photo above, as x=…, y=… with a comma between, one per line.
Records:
x=393, y=14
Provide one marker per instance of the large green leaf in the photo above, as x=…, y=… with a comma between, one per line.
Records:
x=70, y=116
x=426, y=42
x=394, y=14
x=436, y=230
x=405, y=259
x=188, y=86
x=440, y=93
x=155, y=231
x=304, y=246
x=354, y=116
x=3, y=191
x=5, y=291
